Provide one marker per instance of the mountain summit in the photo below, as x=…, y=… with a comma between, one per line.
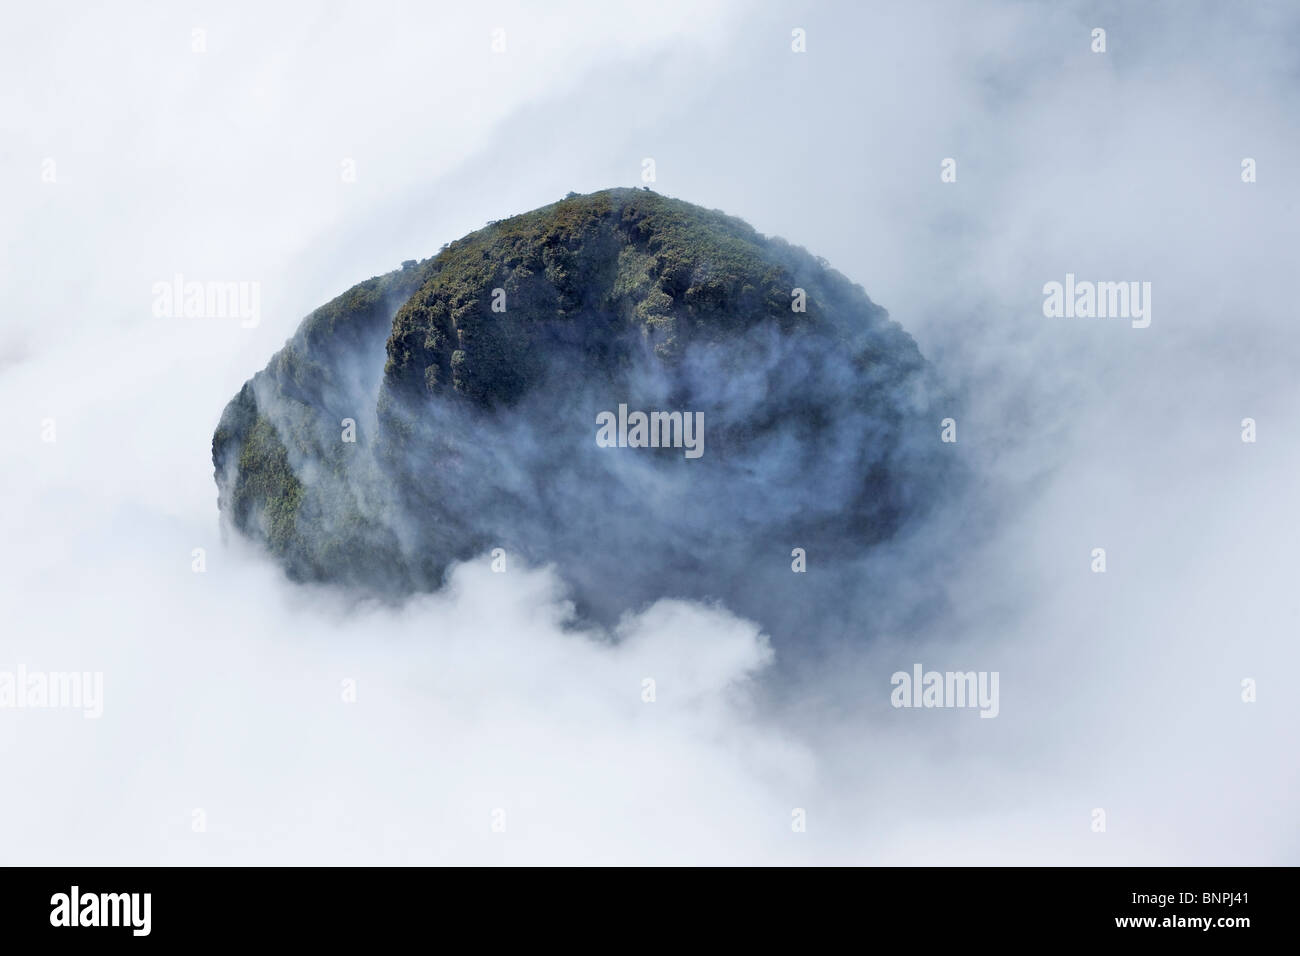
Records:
x=530, y=388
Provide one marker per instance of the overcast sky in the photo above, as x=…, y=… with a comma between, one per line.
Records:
x=128, y=156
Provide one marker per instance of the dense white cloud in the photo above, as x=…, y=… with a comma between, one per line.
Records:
x=222, y=689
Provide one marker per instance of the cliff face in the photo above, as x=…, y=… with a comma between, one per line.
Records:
x=451, y=407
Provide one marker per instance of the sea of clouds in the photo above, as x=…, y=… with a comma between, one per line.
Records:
x=227, y=693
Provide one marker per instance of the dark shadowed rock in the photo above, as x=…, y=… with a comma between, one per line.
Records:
x=475, y=428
